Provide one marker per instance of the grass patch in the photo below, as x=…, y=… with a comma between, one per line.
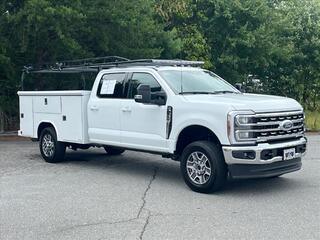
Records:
x=313, y=120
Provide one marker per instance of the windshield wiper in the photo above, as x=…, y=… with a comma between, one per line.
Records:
x=196, y=93
x=217, y=92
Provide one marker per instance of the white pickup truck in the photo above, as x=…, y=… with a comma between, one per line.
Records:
x=175, y=109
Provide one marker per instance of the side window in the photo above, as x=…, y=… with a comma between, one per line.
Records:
x=143, y=78
x=111, y=86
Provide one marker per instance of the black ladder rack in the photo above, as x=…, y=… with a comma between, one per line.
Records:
x=97, y=64
x=75, y=66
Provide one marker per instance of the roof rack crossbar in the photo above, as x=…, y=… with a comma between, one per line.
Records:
x=92, y=61
x=162, y=62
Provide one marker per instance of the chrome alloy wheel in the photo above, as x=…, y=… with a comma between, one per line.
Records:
x=48, y=147
x=198, y=168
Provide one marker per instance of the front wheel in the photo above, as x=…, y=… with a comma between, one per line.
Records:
x=51, y=150
x=202, y=166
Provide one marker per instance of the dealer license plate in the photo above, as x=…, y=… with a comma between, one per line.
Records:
x=289, y=154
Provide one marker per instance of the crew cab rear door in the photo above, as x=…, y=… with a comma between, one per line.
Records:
x=143, y=126
x=104, y=109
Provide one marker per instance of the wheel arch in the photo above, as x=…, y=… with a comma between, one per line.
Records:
x=43, y=125
x=192, y=133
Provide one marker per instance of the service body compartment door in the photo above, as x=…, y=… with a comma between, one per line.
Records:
x=26, y=116
x=47, y=104
x=71, y=121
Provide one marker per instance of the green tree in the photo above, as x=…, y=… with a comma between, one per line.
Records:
x=275, y=41
x=125, y=28
x=179, y=16
x=42, y=31
x=302, y=75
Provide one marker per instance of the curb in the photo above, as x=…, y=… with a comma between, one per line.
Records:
x=9, y=134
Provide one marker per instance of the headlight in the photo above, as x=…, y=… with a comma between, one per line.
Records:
x=242, y=119
x=240, y=127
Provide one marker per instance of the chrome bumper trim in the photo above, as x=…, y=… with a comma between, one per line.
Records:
x=229, y=159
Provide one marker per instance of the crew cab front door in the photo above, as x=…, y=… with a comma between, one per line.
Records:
x=143, y=126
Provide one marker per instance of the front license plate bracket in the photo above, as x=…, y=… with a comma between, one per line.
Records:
x=289, y=154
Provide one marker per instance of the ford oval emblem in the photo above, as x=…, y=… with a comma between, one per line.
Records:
x=286, y=125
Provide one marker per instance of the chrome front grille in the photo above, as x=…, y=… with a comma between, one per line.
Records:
x=267, y=127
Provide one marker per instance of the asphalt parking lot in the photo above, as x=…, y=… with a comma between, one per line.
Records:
x=142, y=196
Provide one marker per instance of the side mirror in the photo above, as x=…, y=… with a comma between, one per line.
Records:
x=159, y=98
x=143, y=94
x=240, y=87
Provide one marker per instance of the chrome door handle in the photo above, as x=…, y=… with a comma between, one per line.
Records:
x=126, y=109
x=94, y=108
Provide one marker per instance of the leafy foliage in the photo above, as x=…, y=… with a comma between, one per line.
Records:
x=273, y=46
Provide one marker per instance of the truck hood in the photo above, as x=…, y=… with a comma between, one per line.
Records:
x=254, y=102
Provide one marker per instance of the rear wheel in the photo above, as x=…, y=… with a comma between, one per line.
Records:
x=113, y=150
x=202, y=166
x=51, y=150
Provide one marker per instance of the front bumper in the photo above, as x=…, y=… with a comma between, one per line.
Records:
x=258, y=165
x=263, y=171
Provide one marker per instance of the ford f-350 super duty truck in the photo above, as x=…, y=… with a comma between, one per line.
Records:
x=172, y=108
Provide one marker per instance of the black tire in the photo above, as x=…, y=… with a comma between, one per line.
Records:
x=58, y=148
x=113, y=150
x=213, y=159
x=276, y=176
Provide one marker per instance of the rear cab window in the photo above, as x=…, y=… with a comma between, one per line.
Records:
x=112, y=86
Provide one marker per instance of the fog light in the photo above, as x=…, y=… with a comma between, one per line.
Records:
x=301, y=148
x=244, y=154
x=269, y=154
x=245, y=135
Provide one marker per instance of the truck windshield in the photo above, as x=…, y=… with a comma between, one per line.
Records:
x=196, y=82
